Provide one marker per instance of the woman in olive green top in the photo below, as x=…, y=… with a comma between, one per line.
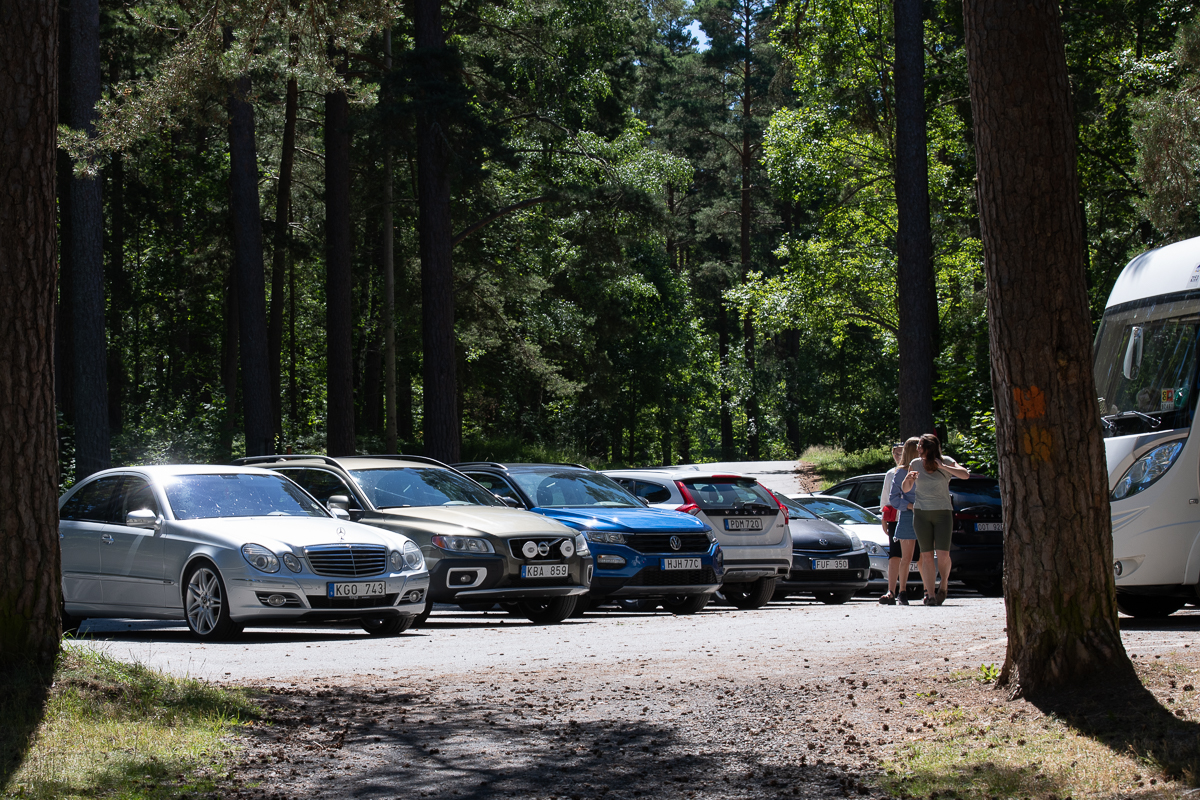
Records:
x=933, y=512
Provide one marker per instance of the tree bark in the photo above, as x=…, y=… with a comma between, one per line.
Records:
x=433, y=223
x=916, y=288
x=248, y=271
x=229, y=369
x=727, y=449
x=283, y=201
x=338, y=322
x=89, y=350
x=748, y=164
x=1059, y=585
x=30, y=593
x=390, y=435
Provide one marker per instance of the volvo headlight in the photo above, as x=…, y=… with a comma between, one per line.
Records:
x=260, y=558
x=581, y=545
x=1147, y=469
x=292, y=563
x=413, y=558
x=463, y=544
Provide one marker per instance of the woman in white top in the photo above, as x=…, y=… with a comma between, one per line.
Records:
x=933, y=512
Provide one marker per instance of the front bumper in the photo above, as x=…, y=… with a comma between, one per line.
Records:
x=642, y=574
x=471, y=579
x=259, y=598
x=802, y=577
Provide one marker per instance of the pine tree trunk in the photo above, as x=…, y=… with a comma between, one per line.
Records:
x=437, y=270
x=389, y=289
x=29, y=556
x=1059, y=586
x=726, y=419
x=338, y=286
x=283, y=202
x=916, y=288
x=118, y=283
x=89, y=350
x=249, y=280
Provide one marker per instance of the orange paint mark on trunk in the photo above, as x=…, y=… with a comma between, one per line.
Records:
x=1037, y=443
x=1030, y=403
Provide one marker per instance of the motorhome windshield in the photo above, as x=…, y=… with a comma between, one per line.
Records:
x=1145, y=364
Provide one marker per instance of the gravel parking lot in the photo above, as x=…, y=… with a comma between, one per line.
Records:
x=797, y=698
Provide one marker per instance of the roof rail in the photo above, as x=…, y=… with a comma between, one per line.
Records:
x=419, y=459
x=250, y=461
x=569, y=464
x=496, y=464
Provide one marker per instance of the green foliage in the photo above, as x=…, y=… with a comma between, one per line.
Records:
x=834, y=465
x=988, y=673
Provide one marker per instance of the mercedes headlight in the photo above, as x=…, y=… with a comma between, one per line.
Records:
x=291, y=562
x=413, y=558
x=463, y=544
x=260, y=558
x=1147, y=469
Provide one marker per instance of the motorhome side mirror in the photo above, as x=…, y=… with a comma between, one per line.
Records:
x=1133, y=353
x=142, y=518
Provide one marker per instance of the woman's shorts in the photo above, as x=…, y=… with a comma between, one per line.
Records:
x=933, y=529
x=904, y=528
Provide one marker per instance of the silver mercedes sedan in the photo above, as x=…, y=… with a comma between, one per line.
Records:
x=227, y=547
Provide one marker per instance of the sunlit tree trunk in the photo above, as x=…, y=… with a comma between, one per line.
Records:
x=30, y=591
x=283, y=203
x=1059, y=585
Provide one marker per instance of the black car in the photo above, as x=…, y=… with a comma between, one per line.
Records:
x=977, y=544
x=828, y=562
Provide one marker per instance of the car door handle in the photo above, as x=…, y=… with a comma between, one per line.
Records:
x=107, y=538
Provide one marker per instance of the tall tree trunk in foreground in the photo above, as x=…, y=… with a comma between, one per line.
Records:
x=389, y=287
x=917, y=290
x=249, y=281
x=437, y=270
x=338, y=324
x=283, y=202
x=89, y=348
x=29, y=561
x=1059, y=586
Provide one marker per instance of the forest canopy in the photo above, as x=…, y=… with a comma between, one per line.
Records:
x=672, y=224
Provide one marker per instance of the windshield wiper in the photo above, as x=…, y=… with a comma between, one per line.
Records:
x=1149, y=420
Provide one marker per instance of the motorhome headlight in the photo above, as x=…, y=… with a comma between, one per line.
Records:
x=1147, y=469
x=412, y=556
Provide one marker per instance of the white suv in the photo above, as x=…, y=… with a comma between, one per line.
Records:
x=748, y=521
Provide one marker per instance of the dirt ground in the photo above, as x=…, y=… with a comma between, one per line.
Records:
x=779, y=729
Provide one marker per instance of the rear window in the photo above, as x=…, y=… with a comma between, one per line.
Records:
x=968, y=492
x=729, y=493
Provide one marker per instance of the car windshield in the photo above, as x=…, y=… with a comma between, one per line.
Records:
x=238, y=495
x=969, y=492
x=405, y=487
x=795, y=510
x=1145, y=366
x=842, y=512
x=574, y=489
x=729, y=493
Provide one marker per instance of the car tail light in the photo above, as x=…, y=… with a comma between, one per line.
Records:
x=786, y=519
x=689, y=503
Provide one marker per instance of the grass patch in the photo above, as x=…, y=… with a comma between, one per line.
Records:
x=112, y=729
x=833, y=465
x=1134, y=744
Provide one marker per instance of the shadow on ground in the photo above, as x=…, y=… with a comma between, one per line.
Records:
x=26, y=688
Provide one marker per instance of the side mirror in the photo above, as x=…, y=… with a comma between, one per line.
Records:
x=1133, y=353
x=142, y=518
x=339, y=512
x=339, y=506
x=511, y=502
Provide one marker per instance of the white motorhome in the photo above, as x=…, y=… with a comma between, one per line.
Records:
x=1146, y=384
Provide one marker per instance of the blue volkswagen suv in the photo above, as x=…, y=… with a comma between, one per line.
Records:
x=666, y=557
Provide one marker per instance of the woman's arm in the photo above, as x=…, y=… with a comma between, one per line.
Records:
x=956, y=470
x=909, y=480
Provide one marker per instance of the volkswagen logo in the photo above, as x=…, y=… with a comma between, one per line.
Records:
x=676, y=543
x=543, y=549
x=822, y=542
